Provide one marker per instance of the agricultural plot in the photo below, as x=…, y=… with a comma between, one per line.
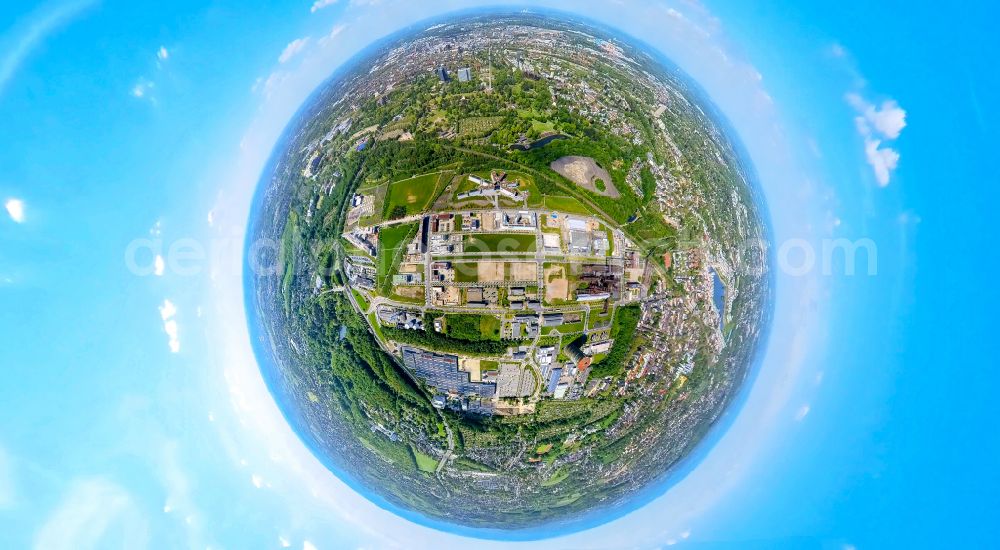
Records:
x=478, y=126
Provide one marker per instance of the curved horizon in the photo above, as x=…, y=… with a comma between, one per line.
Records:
x=596, y=516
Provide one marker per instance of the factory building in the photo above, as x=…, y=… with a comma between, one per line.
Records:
x=441, y=371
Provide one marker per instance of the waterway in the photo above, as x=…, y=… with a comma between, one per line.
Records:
x=719, y=297
x=538, y=142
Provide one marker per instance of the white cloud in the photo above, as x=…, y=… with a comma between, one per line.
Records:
x=306, y=545
x=257, y=481
x=170, y=327
x=15, y=208
x=86, y=514
x=142, y=88
x=336, y=30
x=158, y=265
x=889, y=119
x=285, y=543
x=162, y=54
x=886, y=121
x=292, y=49
x=167, y=312
x=801, y=413
x=268, y=86
x=334, y=33
x=883, y=160
x=320, y=4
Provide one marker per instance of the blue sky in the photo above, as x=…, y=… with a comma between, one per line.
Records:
x=132, y=411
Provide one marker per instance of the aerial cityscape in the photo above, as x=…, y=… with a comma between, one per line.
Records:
x=520, y=269
x=618, y=274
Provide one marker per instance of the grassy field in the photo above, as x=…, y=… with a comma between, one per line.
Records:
x=559, y=475
x=414, y=195
x=598, y=320
x=467, y=464
x=391, y=246
x=500, y=242
x=543, y=126
x=362, y=302
x=473, y=327
x=565, y=204
x=425, y=462
x=568, y=328
x=486, y=365
x=466, y=272
x=465, y=185
x=406, y=299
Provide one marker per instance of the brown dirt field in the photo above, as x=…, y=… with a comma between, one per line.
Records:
x=452, y=295
x=490, y=272
x=471, y=366
x=523, y=271
x=556, y=285
x=409, y=291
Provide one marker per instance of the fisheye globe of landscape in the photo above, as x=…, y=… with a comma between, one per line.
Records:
x=505, y=271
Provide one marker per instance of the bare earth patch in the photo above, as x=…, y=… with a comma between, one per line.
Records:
x=409, y=291
x=471, y=366
x=585, y=172
x=490, y=272
x=522, y=271
x=556, y=285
